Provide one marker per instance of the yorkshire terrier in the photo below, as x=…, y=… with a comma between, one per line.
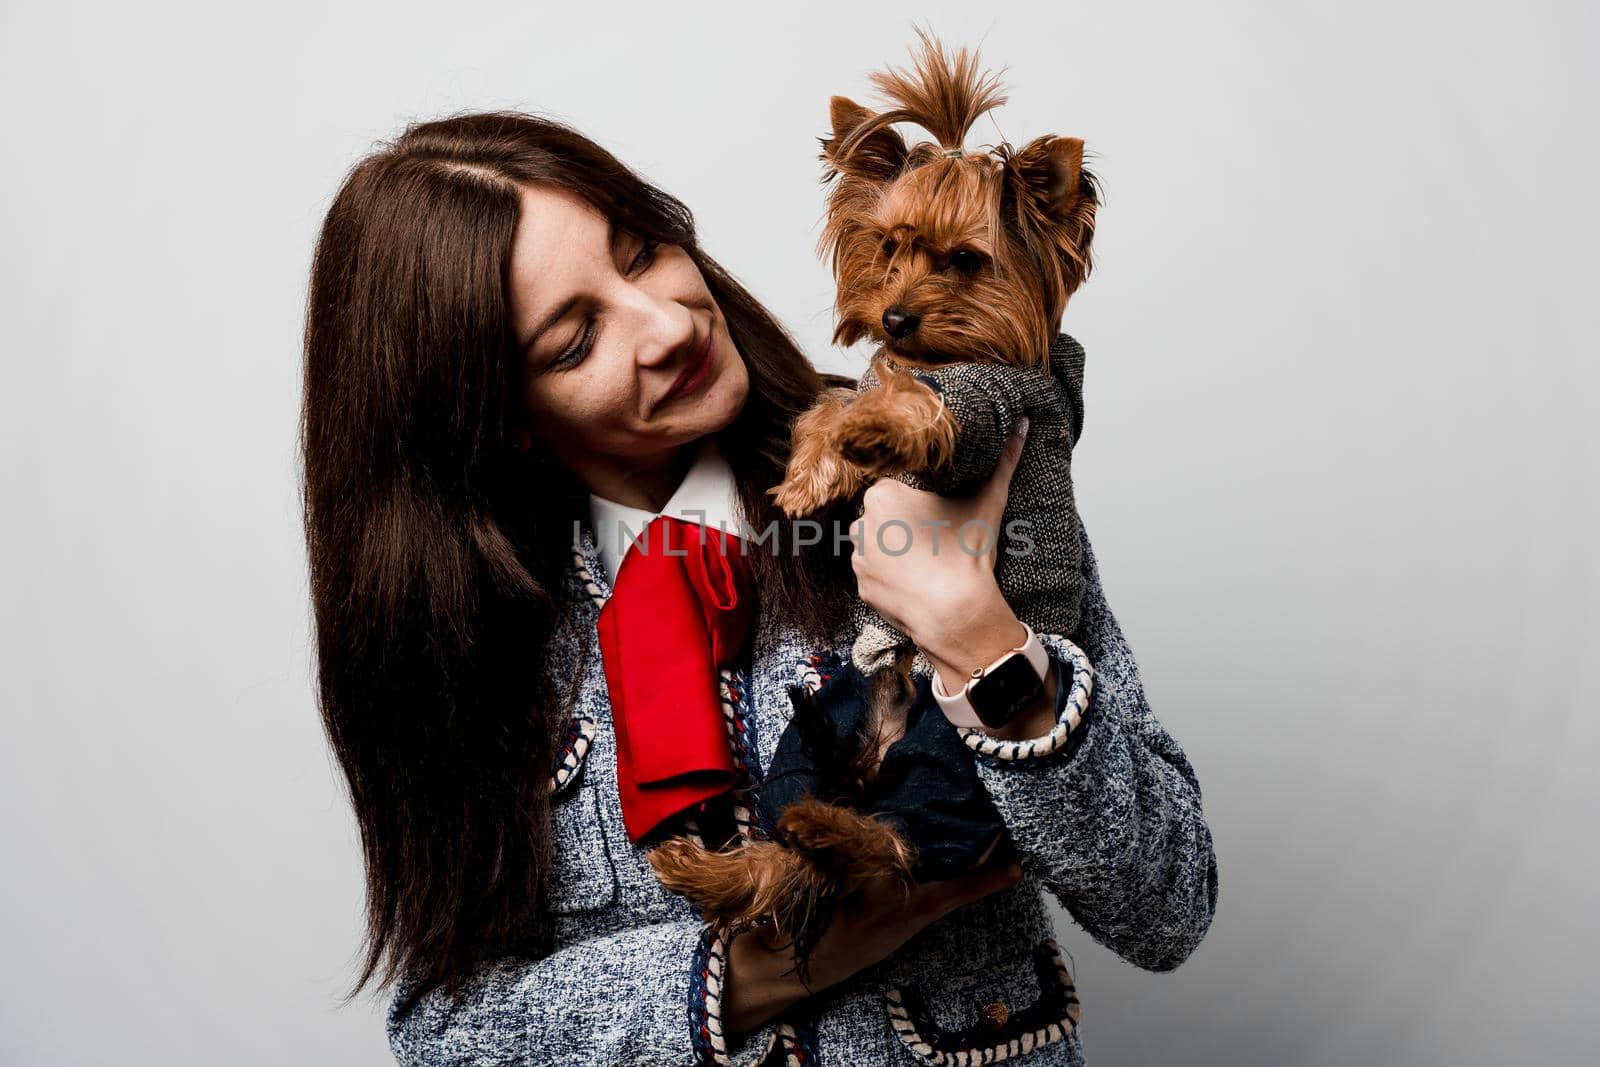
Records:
x=958, y=264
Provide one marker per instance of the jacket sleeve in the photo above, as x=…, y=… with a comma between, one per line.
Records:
x=985, y=401
x=1109, y=815
x=647, y=995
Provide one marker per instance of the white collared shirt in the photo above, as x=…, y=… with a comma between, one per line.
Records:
x=706, y=495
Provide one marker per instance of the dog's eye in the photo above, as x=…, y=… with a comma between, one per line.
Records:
x=966, y=261
x=889, y=246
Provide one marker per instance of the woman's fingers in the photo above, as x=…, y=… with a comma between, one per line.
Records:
x=871, y=926
x=959, y=892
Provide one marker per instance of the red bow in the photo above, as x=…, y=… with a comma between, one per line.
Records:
x=679, y=610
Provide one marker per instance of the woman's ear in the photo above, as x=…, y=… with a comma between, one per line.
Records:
x=877, y=156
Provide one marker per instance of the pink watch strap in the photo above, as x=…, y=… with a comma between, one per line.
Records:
x=959, y=710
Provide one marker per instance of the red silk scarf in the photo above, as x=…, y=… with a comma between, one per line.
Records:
x=680, y=609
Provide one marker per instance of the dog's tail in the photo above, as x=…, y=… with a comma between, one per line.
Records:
x=945, y=93
x=738, y=886
x=828, y=851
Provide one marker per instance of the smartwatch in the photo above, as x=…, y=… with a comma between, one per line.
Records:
x=995, y=694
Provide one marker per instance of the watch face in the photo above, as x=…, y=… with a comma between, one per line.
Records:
x=1006, y=690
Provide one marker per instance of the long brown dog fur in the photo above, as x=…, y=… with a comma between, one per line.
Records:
x=830, y=852
x=985, y=247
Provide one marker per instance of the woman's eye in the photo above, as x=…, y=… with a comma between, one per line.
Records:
x=647, y=253
x=577, y=352
x=965, y=260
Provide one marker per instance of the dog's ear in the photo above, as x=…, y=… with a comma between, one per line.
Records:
x=1053, y=199
x=1049, y=172
x=878, y=156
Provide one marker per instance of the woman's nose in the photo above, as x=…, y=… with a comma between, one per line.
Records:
x=666, y=329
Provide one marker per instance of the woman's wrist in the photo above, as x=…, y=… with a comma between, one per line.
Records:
x=978, y=636
x=971, y=628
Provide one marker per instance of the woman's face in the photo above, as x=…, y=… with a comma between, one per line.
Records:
x=626, y=356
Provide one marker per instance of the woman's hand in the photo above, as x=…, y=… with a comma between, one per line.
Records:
x=926, y=562
x=758, y=981
x=937, y=585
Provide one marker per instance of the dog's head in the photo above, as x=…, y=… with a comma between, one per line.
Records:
x=943, y=255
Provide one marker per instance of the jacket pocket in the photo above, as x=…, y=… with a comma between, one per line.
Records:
x=1005, y=1012
x=582, y=877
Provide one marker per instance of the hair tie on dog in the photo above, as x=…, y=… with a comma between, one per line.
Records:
x=953, y=153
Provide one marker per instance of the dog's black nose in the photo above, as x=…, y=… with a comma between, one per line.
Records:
x=898, y=322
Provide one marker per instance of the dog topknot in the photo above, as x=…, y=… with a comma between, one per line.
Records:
x=945, y=93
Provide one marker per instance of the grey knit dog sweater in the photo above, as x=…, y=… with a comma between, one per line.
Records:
x=1039, y=556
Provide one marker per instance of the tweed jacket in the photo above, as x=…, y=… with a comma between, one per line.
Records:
x=1037, y=562
x=1108, y=819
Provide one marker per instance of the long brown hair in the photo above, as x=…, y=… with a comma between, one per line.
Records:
x=436, y=549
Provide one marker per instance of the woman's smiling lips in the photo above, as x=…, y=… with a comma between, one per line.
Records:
x=695, y=373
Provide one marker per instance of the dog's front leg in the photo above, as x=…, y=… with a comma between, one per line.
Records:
x=817, y=474
x=900, y=425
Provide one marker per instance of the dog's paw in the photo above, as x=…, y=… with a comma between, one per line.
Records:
x=816, y=477
x=874, y=448
x=902, y=425
x=804, y=494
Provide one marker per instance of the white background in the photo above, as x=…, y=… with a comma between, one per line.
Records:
x=1339, y=466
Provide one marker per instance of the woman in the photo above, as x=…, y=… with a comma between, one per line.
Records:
x=507, y=334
